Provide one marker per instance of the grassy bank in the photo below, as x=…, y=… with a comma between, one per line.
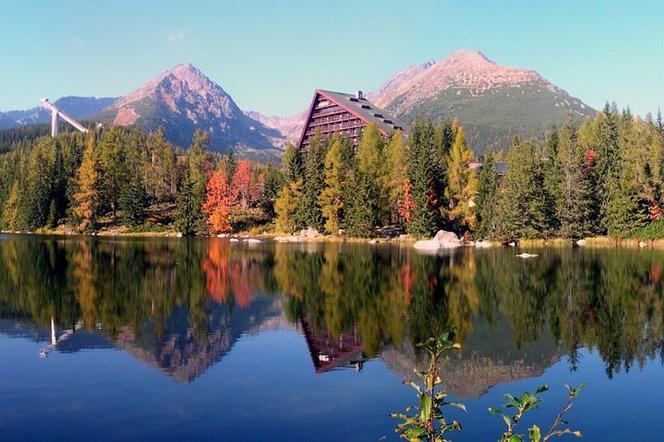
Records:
x=596, y=242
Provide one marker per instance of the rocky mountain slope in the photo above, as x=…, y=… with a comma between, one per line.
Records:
x=493, y=102
x=289, y=127
x=181, y=100
x=80, y=108
x=6, y=122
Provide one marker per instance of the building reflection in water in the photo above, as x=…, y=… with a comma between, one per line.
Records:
x=332, y=352
x=180, y=306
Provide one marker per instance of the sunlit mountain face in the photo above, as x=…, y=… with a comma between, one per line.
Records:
x=289, y=320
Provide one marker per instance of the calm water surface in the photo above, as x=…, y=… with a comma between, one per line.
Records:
x=106, y=339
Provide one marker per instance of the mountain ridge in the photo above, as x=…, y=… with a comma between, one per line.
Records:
x=493, y=102
x=78, y=107
x=182, y=99
x=7, y=122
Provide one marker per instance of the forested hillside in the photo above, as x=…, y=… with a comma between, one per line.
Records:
x=604, y=176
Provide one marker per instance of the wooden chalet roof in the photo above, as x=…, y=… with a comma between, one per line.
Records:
x=359, y=107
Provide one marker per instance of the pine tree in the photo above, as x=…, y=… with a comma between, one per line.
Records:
x=197, y=158
x=625, y=212
x=188, y=211
x=273, y=182
x=421, y=167
x=573, y=206
x=133, y=199
x=588, y=140
x=461, y=183
x=487, y=191
x=309, y=213
x=52, y=220
x=161, y=174
x=443, y=138
x=86, y=199
x=336, y=173
x=361, y=216
x=36, y=200
x=189, y=216
x=552, y=185
x=608, y=154
x=112, y=171
x=293, y=163
x=521, y=194
x=228, y=164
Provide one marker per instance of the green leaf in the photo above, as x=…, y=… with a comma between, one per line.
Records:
x=542, y=389
x=507, y=420
x=535, y=434
x=425, y=407
x=514, y=438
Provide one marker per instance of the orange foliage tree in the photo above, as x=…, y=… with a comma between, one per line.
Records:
x=227, y=274
x=227, y=197
x=219, y=202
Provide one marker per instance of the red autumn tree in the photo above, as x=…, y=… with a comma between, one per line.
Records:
x=221, y=197
x=407, y=204
x=241, y=182
x=246, y=183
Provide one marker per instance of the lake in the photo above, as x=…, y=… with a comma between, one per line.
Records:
x=174, y=339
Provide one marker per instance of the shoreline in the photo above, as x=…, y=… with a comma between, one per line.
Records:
x=603, y=242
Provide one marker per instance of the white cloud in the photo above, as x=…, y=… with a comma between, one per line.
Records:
x=177, y=35
x=77, y=42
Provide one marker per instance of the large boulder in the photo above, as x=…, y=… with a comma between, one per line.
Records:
x=447, y=240
x=442, y=240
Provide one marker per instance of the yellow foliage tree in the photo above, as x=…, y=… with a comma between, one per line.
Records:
x=285, y=206
x=461, y=182
x=86, y=199
x=397, y=173
x=331, y=198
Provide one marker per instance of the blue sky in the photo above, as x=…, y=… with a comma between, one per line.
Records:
x=270, y=56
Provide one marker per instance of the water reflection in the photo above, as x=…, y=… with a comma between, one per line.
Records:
x=180, y=306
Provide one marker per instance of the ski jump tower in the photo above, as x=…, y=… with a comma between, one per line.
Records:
x=57, y=113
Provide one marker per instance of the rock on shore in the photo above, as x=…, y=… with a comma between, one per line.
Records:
x=442, y=240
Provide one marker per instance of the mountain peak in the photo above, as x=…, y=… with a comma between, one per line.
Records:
x=182, y=99
x=186, y=71
x=468, y=55
x=467, y=70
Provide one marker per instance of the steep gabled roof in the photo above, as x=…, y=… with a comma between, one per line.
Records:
x=364, y=109
x=360, y=107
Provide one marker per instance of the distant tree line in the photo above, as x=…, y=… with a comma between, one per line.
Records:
x=605, y=176
x=124, y=176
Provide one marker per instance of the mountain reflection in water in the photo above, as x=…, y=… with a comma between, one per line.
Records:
x=181, y=305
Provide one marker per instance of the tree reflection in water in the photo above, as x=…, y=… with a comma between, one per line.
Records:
x=181, y=304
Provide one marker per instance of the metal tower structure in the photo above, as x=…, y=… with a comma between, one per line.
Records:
x=57, y=113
